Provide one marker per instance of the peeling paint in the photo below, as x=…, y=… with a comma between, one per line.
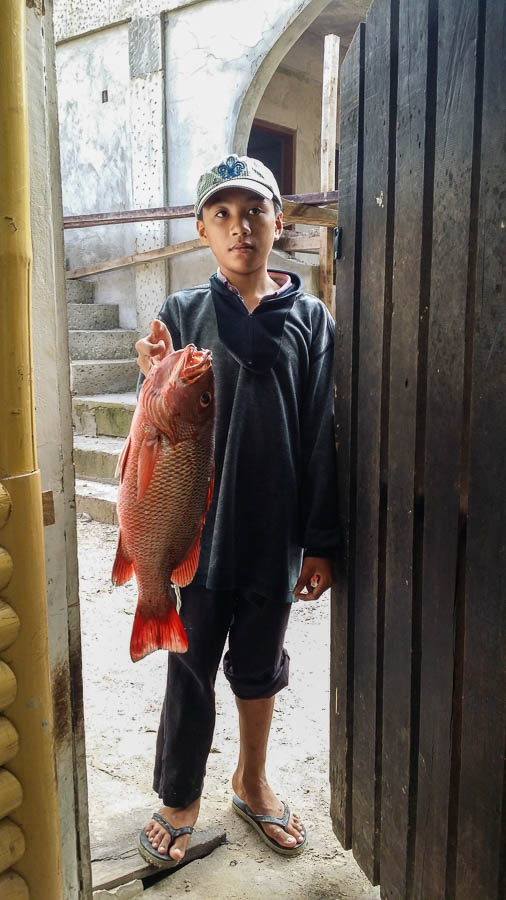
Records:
x=60, y=688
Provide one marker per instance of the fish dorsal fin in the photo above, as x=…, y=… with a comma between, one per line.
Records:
x=185, y=571
x=148, y=455
x=122, y=461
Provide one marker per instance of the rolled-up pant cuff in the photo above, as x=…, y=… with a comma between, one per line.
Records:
x=270, y=685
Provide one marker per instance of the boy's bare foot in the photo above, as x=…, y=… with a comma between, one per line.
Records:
x=158, y=836
x=263, y=801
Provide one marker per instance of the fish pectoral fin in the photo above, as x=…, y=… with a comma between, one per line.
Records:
x=122, y=461
x=186, y=569
x=123, y=567
x=150, y=633
x=148, y=455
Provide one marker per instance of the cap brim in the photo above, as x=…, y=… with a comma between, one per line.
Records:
x=245, y=184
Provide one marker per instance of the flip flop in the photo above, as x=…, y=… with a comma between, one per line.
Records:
x=242, y=809
x=148, y=852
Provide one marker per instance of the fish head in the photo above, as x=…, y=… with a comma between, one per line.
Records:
x=179, y=393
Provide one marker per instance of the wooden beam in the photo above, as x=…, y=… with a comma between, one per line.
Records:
x=128, y=216
x=322, y=198
x=136, y=259
x=304, y=214
x=328, y=160
x=178, y=212
x=304, y=242
x=299, y=242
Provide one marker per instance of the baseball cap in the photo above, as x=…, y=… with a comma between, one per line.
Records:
x=240, y=172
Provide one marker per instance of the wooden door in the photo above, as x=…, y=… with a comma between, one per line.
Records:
x=417, y=692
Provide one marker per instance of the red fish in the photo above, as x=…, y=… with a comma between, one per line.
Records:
x=167, y=474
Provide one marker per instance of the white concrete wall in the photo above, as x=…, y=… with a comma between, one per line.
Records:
x=54, y=449
x=96, y=157
x=213, y=52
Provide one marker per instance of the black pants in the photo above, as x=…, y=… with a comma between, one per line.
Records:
x=256, y=666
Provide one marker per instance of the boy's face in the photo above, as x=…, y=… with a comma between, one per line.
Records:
x=240, y=228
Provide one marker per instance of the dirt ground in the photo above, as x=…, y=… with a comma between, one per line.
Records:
x=122, y=703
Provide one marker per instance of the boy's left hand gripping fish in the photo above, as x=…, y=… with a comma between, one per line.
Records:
x=167, y=475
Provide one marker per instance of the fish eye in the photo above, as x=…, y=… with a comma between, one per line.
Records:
x=205, y=399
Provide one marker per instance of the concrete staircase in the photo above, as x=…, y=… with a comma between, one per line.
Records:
x=103, y=378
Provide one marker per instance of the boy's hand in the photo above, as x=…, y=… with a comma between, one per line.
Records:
x=315, y=578
x=154, y=347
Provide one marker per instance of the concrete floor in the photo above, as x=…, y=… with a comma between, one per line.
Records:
x=229, y=875
x=122, y=703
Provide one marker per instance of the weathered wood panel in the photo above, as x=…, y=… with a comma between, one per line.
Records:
x=375, y=316
x=346, y=368
x=481, y=844
x=441, y=480
x=407, y=368
x=417, y=718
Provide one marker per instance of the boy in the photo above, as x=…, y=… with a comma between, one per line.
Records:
x=274, y=502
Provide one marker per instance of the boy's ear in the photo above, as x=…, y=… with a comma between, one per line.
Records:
x=201, y=229
x=278, y=230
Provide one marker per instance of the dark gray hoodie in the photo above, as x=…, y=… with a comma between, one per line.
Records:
x=275, y=483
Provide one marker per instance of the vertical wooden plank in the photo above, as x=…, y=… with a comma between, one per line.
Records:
x=345, y=368
x=401, y=651
x=372, y=421
x=328, y=161
x=480, y=845
x=439, y=489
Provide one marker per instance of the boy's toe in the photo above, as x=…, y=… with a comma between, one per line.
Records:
x=164, y=843
x=176, y=851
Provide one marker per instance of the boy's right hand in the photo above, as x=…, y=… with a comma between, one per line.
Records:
x=154, y=347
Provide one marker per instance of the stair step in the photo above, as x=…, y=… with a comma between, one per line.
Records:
x=97, y=458
x=103, y=414
x=97, y=499
x=93, y=315
x=96, y=376
x=79, y=291
x=116, y=343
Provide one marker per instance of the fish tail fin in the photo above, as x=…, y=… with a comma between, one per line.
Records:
x=150, y=633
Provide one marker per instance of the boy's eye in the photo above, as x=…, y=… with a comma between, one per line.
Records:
x=255, y=210
x=221, y=214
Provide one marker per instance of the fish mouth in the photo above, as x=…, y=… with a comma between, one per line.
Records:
x=191, y=365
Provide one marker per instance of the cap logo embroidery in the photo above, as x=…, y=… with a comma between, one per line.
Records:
x=232, y=168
